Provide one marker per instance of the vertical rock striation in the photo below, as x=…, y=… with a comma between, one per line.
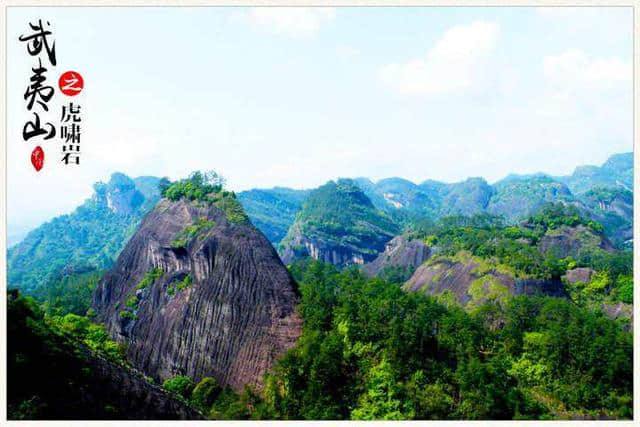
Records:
x=198, y=294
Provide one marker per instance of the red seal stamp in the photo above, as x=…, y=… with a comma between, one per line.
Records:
x=71, y=83
x=37, y=158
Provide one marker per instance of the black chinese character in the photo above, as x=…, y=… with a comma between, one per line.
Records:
x=39, y=39
x=36, y=88
x=32, y=129
x=67, y=158
x=70, y=133
x=72, y=113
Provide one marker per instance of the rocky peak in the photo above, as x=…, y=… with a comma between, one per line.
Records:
x=399, y=252
x=338, y=224
x=199, y=291
x=119, y=195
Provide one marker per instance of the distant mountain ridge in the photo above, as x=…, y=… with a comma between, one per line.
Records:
x=339, y=224
x=515, y=197
x=94, y=234
x=90, y=237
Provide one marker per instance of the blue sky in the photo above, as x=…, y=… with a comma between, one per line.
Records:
x=297, y=96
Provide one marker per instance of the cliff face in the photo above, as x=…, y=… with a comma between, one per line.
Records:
x=570, y=241
x=399, y=252
x=338, y=224
x=199, y=292
x=472, y=281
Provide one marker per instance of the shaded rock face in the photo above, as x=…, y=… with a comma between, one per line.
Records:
x=338, y=224
x=581, y=274
x=471, y=282
x=399, y=252
x=223, y=304
x=120, y=195
x=569, y=241
x=619, y=311
x=300, y=246
x=136, y=398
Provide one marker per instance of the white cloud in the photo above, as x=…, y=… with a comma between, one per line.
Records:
x=573, y=67
x=454, y=63
x=291, y=21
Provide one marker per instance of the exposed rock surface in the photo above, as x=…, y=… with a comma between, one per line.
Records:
x=619, y=311
x=91, y=236
x=470, y=279
x=134, y=395
x=581, y=274
x=569, y=241
x=299, y=246
x=338, y=224
x=223, y=306
x=399, y=252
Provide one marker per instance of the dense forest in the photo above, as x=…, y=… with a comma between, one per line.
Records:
x=370, y=348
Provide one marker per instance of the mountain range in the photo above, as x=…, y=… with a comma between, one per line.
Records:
x=94, y=234
x=362, y=300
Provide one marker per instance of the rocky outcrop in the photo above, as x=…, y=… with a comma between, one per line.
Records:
x=619, y=311
x=472, y=280
x=197, y=293
x=132, y=395
x=399, y=252
x=567, y=241
x=581, y=274
x=120, y=195
x=91, y=236
x=299, y=246
x=338, y=224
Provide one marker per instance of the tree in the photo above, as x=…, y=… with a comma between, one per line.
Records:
x=205, y=393
x=180, y=384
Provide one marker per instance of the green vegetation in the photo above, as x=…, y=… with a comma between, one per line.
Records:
x=191, y=231
x=232, y=208
x=272, y=211
x=205, y=393
x=554, y=215
x=179, y=285
x=371, y=351
x=181, y=385
x=126, y=314
x=93, y=335
x=90, y=238
x=486, y=236
x=206, y=187
x=70, y=293
x=493, y=243
x=339, y=213
x=150, y=277
x=517, y=197
x=197, y=187
x=58, y=368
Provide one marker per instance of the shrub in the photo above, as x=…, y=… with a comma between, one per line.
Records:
x=125, y=314
x=150, y=277
x=625, y=289
x=205, y=393
x=180, y=385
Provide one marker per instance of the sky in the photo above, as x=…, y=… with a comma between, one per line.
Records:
x=295, y=97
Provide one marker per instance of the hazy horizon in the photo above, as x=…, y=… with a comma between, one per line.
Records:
x=15, y=236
